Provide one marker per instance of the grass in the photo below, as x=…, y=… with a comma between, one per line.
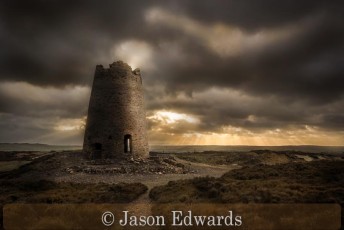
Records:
x=70, y=193
x=51, y=192
x=313, y=182
x=223, y=158
x=6, y=166
x=253, y=157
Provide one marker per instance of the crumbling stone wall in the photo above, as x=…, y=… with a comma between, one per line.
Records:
x=116, y=122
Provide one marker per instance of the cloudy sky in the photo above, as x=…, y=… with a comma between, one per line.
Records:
x=215, y=72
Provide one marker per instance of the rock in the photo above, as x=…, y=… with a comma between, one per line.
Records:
x=137, y=71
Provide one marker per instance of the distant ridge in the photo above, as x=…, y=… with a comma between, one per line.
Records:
x=180, y=148
x=36, y=147
x=240, y=148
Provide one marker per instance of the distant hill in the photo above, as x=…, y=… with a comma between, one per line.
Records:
x=35, y=147
x=180, y=148
x=244, y=148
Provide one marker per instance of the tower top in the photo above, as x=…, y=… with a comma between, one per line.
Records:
x=119, y=65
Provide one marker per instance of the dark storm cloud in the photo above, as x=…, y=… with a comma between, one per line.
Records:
x=303, y=73
x=252, y=15
x=28, y=100
x=286, y=58
x=59, y=42
x=306, y=66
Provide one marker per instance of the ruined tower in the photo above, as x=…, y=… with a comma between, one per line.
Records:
x=116, y=122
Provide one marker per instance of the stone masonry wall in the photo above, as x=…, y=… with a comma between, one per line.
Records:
x=116, y=109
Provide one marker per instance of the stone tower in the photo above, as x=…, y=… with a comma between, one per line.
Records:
x=116, y=122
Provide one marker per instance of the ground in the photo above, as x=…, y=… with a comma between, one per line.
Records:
x=261, y=176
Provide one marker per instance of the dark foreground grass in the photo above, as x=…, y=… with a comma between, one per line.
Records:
x=51, y=192
x=313, y=182
x=69, y=193
x=221, y=158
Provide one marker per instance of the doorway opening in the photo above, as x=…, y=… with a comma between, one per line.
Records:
x=97, y=150
x=127, y=144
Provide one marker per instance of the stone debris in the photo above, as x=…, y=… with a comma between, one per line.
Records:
x=154, y=165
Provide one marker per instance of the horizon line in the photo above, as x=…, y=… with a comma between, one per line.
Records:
x=77, y=145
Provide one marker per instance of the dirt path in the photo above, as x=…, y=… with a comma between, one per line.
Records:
x=142, y=205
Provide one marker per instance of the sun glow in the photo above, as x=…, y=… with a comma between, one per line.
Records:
x=138, y=54
x=230, y=135
x=70, y=124
x=168, y=117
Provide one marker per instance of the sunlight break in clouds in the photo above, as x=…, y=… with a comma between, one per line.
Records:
x=168, y=117
x=138, y=54
x=184, y=128
x=71, y=124
x=238, y=136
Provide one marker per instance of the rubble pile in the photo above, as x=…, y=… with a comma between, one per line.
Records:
x=153, y=165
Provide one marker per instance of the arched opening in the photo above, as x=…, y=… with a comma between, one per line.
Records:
x=127, y=144
x=97, y=150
